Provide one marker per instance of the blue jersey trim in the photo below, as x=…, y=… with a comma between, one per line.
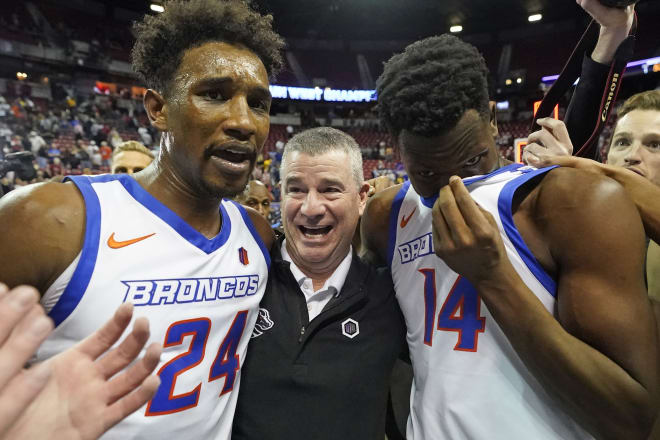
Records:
x=154, y=205
x=76, y=288
x=511, y=167
x=429, y=201
x=253, y=231
x=394, y=220
x=504, y=207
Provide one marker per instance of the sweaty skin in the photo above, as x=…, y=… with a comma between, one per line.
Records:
x=584, y=357
x=653, y=270
x=222, y=104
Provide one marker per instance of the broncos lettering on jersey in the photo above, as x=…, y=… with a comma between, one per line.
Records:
x=201, y=297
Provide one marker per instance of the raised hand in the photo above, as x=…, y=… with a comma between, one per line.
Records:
x=466, y=236
x=615, y=25
x=551, y=140
x=23, y=327
x=88, y=392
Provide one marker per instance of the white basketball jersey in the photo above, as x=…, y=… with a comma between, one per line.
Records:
x=469, y=383
x=201, y=297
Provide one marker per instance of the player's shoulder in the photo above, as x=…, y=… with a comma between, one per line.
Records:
x=43, y=203
x=380, y=204
x=576, y=200
x=262, y=227
x=45, y=226
x=562, y=185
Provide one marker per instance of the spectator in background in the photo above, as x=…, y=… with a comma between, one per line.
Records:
x=54, y=152
x=78, y=130
x=145, y=136
x=83, y=154
x=106, y=153
x=36, y=141
x=635, y=144
x=67, y=157
x=95, y=154
x=55, y=168
x=42, y=157
x=95, y=128
x=5, y=108
x=131, y=157
x=256, y=196
x=70, y=102
x=16, y=144
x=114, y=138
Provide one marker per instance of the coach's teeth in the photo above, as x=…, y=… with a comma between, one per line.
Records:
x=315, y=230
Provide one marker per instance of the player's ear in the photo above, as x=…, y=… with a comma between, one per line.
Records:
x=364, y=196
x=156, y=108
x=493, y=118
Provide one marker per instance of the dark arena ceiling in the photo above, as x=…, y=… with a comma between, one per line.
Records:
x=401, y=19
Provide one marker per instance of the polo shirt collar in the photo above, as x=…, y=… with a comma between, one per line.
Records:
x=334, y=282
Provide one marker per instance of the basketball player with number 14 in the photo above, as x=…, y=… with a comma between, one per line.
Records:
x=533, y=323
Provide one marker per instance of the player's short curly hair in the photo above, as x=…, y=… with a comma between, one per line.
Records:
x=428, y=87
x=162, y=39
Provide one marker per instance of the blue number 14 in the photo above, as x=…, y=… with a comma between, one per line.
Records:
x=461, y=312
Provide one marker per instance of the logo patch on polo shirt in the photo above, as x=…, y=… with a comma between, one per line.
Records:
x=263, y=323
x=350, y=328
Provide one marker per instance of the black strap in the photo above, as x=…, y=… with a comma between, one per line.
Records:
x=571, y=72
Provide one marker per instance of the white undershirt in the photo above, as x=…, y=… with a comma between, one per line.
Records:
x=317, y=299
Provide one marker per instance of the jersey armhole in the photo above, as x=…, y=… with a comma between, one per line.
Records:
x=504, y=204
x=83, y=273
x=394, y=218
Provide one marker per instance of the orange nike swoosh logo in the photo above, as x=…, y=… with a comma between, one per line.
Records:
x=120, y=244
x=404, y=220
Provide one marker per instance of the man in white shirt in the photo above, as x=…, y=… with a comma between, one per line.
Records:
x=329, y=328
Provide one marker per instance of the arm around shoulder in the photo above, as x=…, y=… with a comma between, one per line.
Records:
x=374, y=226
x=43, y=229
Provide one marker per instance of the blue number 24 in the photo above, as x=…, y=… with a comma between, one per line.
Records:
x=226, y=364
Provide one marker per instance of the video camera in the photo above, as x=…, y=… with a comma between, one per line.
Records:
x=20, y=163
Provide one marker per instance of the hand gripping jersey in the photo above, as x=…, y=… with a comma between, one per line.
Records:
x=469, y=383
x=201, y=297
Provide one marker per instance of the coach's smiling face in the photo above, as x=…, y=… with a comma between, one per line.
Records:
x=321, y=206
x=214, y=118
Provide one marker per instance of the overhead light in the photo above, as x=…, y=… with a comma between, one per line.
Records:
x=455, y=29
x=21, y=76
x=535, y=17
x=519, y=80
x=508, y=82
x=156, y=8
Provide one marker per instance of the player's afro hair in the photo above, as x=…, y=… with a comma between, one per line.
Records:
x=162, y=39
x=427, y=88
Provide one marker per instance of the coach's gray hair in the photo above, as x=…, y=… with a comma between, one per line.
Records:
x=316, y=141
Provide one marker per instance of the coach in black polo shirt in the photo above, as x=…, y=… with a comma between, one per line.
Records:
x=329, y=329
